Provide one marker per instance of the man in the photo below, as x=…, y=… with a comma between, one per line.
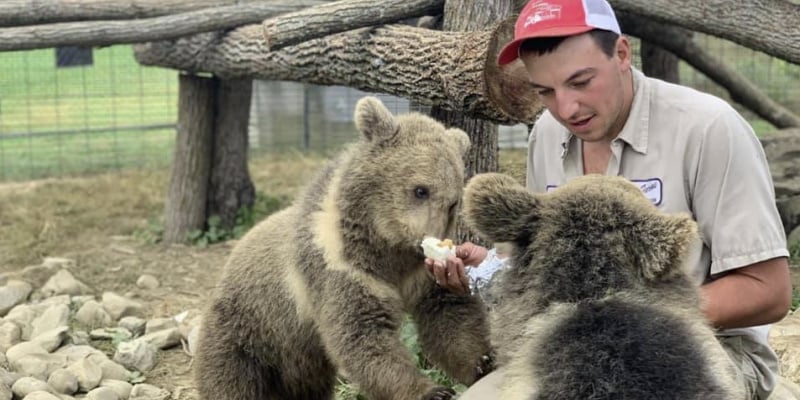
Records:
x=688, y=151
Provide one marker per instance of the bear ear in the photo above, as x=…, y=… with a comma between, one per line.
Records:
x=665, y=246
x=461, y=138
x=501, y=209
x=374, y=120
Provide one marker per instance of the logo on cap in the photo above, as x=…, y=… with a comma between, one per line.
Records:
x=542, y=11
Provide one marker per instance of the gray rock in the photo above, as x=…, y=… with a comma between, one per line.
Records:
x=119, y=333
x=53, y=317
x=41, y=395
x=12, y=294
x=118, y=306
x=24, y=386
x=147, y=282
x=88, y=373
x=114, y=371
x=62, y=282
x=159, y=324
x=63, y=381
x=144, y=391
x=135, y=325
x=121, y=388
x=10, y=334
x=93, y=315
x=137, y=355
x=102, y=393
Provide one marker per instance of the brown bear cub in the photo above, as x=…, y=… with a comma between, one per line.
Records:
x=596, y=303
x=322, y=288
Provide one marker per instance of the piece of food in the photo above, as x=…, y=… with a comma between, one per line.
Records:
x=438, y=249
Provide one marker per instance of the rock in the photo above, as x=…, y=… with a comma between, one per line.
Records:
x=10, y=334
x=102, y=393
x=114, y=371
x=785, y=340
x=13, y=293
x=119, y=334
x=135, y=325
x=63, y=381
x=41, y=395
x=93, y=315
x=121, y=388
x=159, y=324
x=137, y=355
x=147, y=282
x=52, y=339
x=24, y=386
x=144, y=391
x=5, y=392
x=62, y=282
x=88, y=373
x=53, y=317
x=118, y=306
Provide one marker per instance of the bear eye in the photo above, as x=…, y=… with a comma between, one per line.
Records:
x=421, y=192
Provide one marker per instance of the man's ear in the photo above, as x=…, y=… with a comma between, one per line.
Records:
x=663, y=244
x=499, y=208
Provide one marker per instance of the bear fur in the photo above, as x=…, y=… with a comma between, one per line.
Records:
x=596, y=303
x=321, y=289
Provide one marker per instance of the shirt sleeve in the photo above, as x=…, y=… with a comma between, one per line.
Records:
x=733, y=196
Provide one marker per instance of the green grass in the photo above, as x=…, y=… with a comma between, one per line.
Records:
x=77, y=120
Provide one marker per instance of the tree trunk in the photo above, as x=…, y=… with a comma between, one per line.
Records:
x=771, y=26
x=448, y=69
x=659, y=63
x=288, y=29
x=185, y=208
x=231, y=188
x=473, y=15
x=740, y=88
x=100, y=33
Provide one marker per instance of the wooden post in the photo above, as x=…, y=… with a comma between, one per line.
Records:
x=185, y=208
x=231, y=187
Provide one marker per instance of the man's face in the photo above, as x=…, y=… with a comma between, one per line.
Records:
x=583, y=88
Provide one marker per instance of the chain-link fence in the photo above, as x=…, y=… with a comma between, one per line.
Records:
x=75, y=111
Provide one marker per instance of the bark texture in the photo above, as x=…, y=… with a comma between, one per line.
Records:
x=230, y=187
x=101, y=33
x=340, y=16
x=185, y=208
x=771, y=26
x=659, y=63
x=433, y=67
x=27, y=12
x=741, y=89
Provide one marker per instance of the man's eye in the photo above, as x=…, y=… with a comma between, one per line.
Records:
x=421, y=192
x=545, y=92
x=581, y=84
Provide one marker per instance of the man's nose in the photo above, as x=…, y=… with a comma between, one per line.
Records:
x=567, y=104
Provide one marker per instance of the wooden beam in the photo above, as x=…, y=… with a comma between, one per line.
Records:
x=101, y=33
x=339, y=16
x=432, y=67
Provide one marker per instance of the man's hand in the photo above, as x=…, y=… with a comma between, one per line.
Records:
x=451, y=274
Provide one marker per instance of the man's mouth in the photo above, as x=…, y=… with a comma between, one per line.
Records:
x=580, y=123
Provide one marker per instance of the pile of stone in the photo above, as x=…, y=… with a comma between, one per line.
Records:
x=50, y=321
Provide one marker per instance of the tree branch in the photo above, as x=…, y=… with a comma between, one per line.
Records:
x=27, y=12
x=741, y=89
x=339, y=16
x=100, y=33
x=432, y=67
x=771, y=26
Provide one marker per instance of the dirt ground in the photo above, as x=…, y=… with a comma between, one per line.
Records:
x=98, y=222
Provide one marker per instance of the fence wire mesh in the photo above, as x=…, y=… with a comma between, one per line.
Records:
x=72, y=111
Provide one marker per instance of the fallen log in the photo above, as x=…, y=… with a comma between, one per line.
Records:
x=448, y=69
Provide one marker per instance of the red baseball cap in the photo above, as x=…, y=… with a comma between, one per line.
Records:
x=550, y=18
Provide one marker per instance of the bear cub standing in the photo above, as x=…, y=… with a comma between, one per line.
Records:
x=322, y=287
x=596, y=304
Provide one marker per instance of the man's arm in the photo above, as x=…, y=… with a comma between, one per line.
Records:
x=756, y=294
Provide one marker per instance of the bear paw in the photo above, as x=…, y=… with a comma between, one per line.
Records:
x=485, y=366
x=439, y=393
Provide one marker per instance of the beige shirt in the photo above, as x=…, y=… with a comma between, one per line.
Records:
x=689, y=152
